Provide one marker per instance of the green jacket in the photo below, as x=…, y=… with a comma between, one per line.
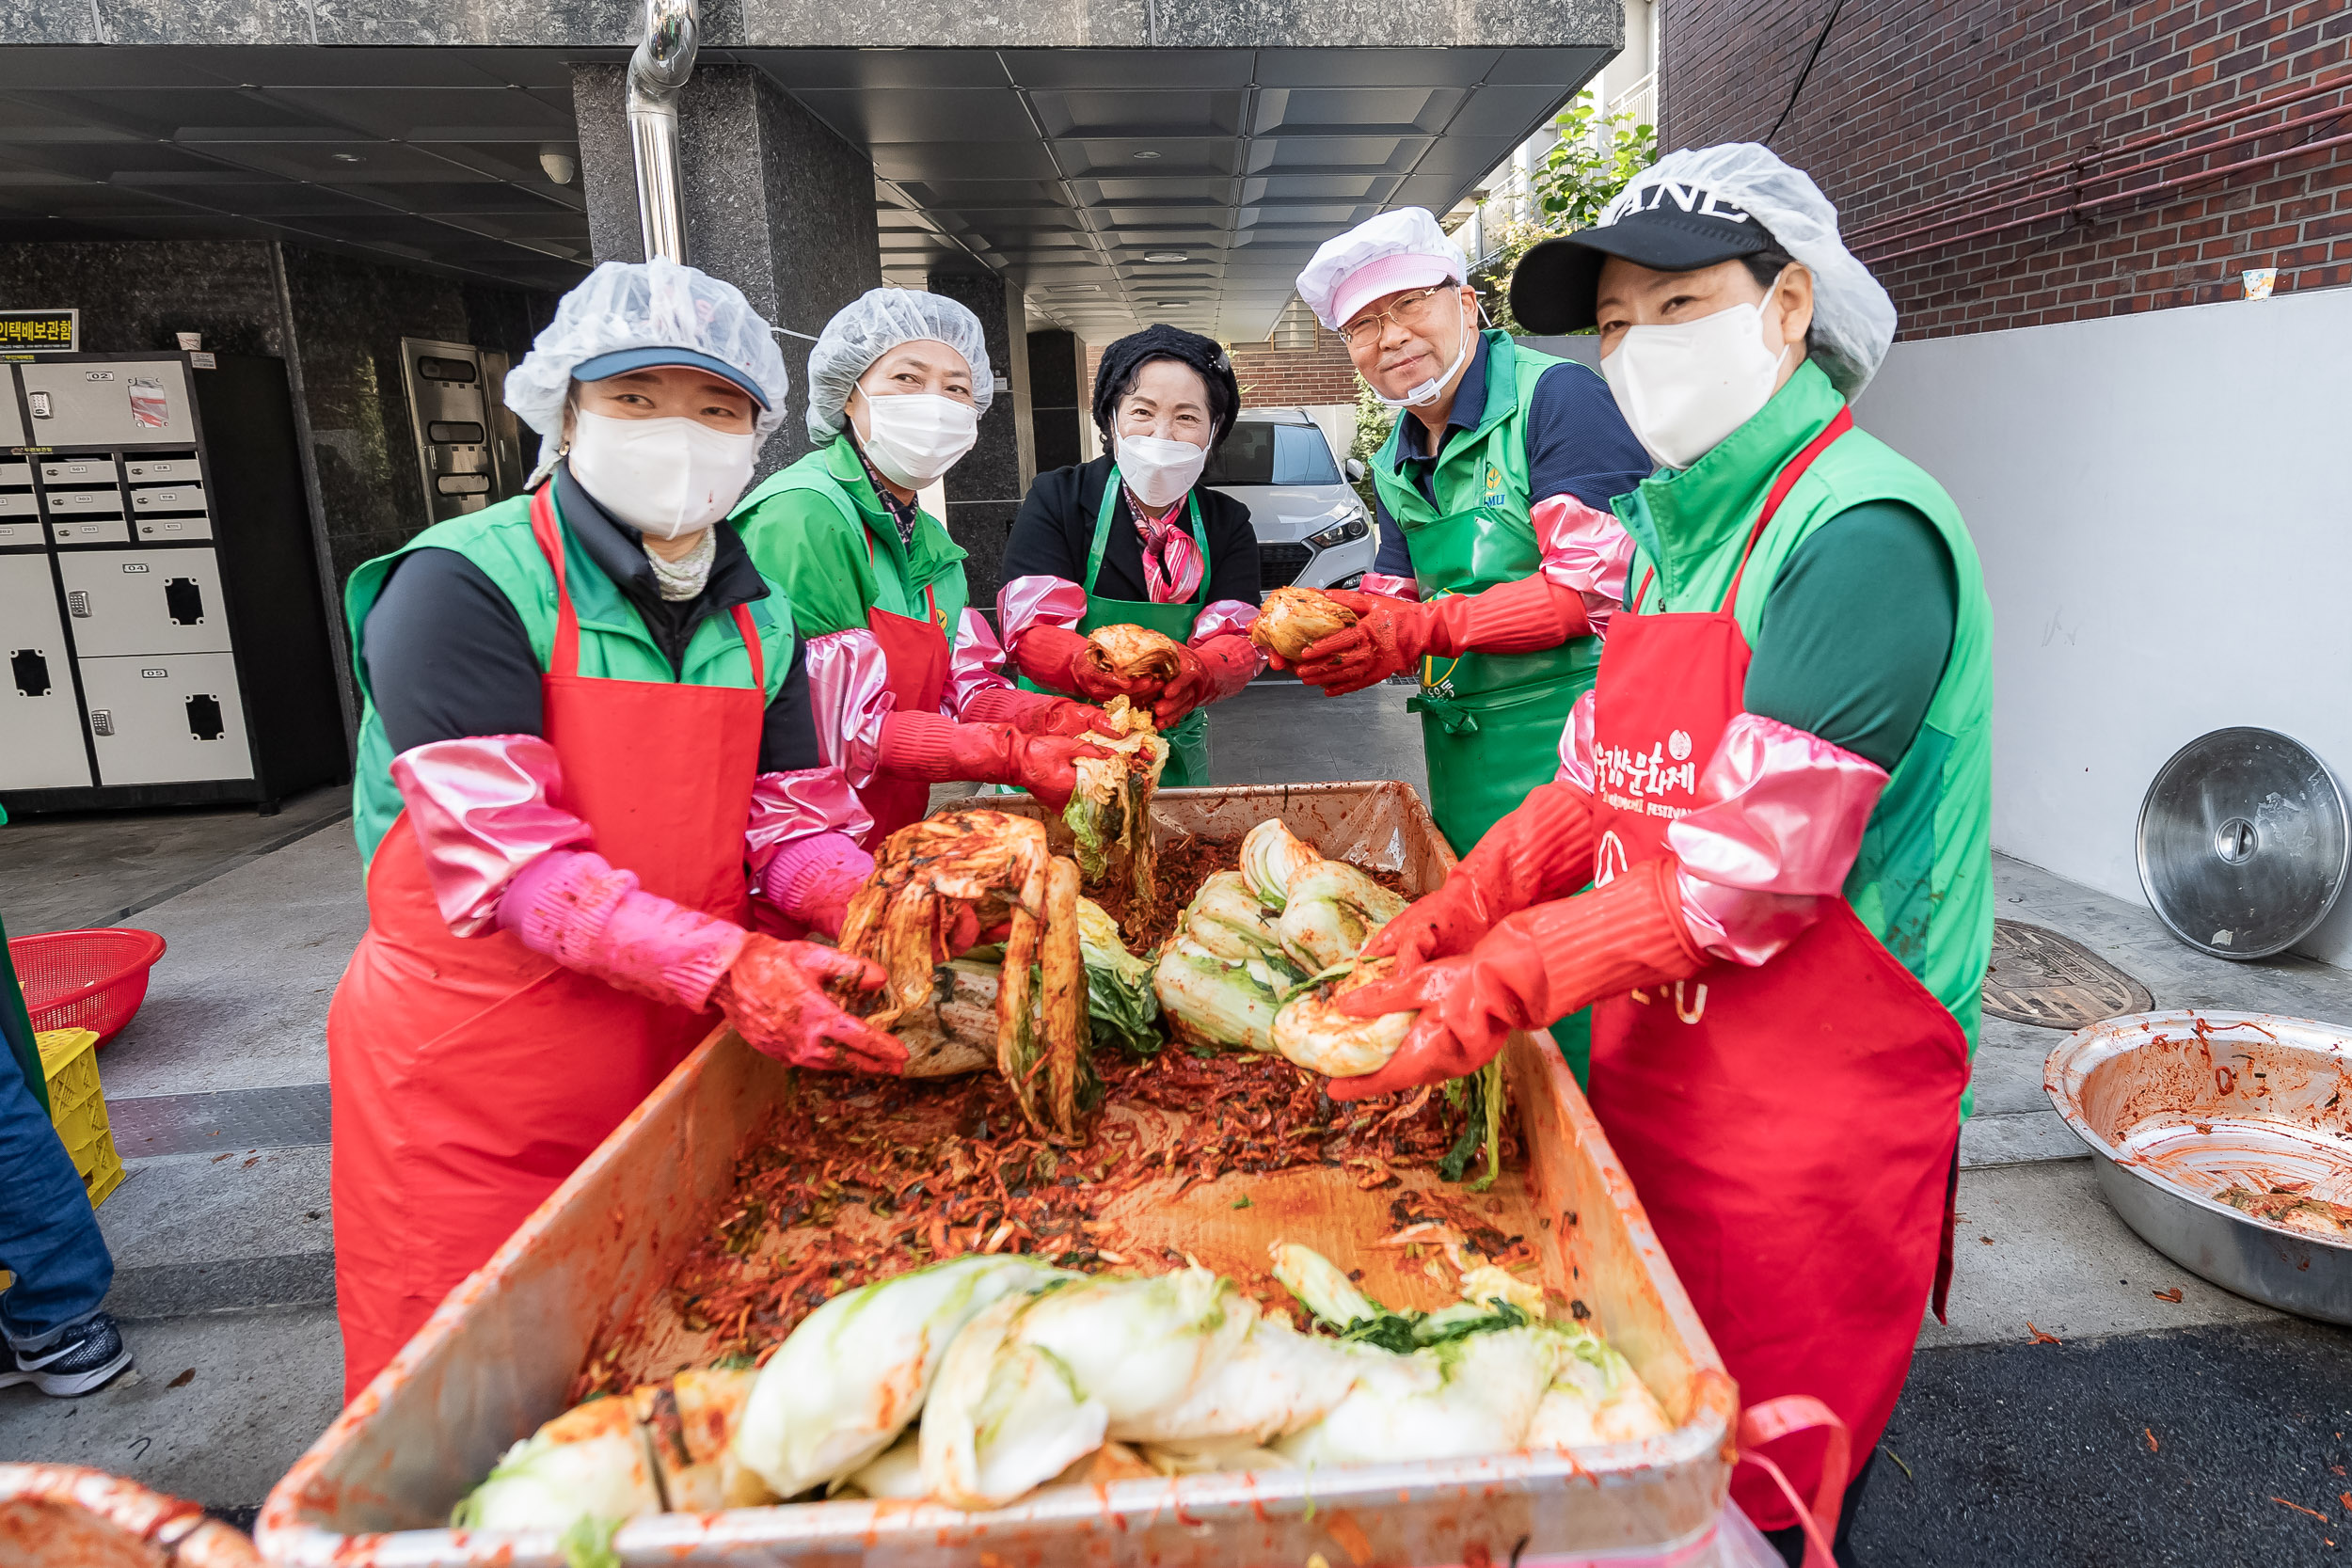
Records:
x=818, y=529
x=1923, y=882
x=613, y=643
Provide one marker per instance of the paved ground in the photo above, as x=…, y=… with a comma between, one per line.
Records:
x=2018, y=1452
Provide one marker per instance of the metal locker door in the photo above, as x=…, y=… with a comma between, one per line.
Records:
x=165, y=719
x=144, y=602
x=120, y=403
x=41, y=724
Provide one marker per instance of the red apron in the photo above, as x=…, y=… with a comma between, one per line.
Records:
x=470, y=1075
x=1791, y=1127
x=914, y=653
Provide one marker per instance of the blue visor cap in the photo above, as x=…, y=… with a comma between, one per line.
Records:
x=627, y=359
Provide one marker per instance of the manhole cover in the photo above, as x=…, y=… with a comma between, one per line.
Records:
x=2039, y=976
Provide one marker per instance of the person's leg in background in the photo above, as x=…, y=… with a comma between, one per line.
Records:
x=52, y=1333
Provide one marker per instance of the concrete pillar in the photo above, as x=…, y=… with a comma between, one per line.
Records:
x=775, y=203
x=1058, y=411
x=984, y=491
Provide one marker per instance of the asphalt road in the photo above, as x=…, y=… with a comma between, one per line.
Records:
x=2134, y=1451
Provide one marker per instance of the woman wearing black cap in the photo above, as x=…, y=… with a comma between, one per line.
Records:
x=1131, y=539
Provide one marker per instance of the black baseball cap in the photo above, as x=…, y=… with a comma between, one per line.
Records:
x=1671, y=227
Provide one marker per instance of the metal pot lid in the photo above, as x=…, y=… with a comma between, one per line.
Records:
x=2243, y=843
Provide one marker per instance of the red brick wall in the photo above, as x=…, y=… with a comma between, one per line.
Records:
x=1272, y=378
x=1913, y=101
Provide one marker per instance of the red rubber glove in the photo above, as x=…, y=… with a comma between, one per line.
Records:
x=1035, y=712
x=1538, y=965
x=1055, y=656
x=773, y=993
x=1542, y=850
x=1393, y=635
x=1207, y=671
x=929, y=747
x=1389, y=636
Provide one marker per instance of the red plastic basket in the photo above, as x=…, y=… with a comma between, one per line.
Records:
x=85, y=979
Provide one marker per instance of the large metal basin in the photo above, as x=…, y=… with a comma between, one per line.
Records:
x=2177, y=1106
x=495, y=1360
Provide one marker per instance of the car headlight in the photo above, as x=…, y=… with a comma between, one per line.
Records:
x=1340, y=532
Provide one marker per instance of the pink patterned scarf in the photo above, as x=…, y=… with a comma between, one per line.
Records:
x=1171, y=561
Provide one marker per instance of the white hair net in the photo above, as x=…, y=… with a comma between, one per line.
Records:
x=870, y=326
x=656, y=304
x=1854, y=321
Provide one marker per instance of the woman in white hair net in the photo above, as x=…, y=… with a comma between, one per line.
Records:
x=1779, y=788
x=586, y=717
x=909, y=679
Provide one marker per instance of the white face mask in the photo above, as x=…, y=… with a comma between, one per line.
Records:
x=1683, y=389
x=1158, y=471
x=667, y=477
x=1426, y=393
x=913, y=437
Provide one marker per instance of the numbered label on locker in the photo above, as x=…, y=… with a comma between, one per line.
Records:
x=160, y=471
x=144, y=602
x=166, y=720
x=37, y=715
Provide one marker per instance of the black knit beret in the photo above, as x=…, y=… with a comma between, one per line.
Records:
x=1116, y=376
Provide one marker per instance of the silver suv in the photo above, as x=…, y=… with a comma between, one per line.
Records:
x=1312, y=530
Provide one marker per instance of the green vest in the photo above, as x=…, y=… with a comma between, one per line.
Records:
x=613, y=643
x=1923, y=882
x=818, y=529
x=1490, y=723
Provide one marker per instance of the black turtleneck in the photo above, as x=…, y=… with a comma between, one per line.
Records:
x=445, y=652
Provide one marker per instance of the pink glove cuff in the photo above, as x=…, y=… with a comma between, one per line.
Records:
x=1576, y=746
x=975, y=666
x=573, y=907
x=849, y=691
x=1221, y=617
x=483, y=808
x=811, y=875
x=1035, y=600
x=1587, y=550
x=793, y=805
x=1782, y=821
x=1389, y=587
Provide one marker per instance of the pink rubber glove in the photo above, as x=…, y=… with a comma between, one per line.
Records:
x=572, y=906
x=812, y=879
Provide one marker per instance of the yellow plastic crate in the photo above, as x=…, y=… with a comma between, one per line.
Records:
x=77, y=1106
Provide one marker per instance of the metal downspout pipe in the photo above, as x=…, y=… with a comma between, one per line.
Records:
x=657, y=72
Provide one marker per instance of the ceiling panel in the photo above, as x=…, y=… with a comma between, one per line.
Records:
x=1059, y=168
x=873, y=117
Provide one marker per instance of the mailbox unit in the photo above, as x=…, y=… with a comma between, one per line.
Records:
x=160, y=610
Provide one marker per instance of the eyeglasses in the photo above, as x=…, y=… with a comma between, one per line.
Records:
x=1410, y=313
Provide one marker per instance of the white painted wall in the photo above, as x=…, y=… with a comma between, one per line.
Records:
x=2164, y=506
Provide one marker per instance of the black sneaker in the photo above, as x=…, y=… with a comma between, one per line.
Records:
x=86, y=1358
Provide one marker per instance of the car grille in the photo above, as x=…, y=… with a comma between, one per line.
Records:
x=1279, y=565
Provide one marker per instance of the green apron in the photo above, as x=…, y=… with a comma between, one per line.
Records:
x=1189, y=742
x=1490, y=723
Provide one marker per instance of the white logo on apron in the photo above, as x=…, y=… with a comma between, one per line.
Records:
x=1608, y=859
x=1678, y=745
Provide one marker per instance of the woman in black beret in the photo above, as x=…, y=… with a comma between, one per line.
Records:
x=1131, y=538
